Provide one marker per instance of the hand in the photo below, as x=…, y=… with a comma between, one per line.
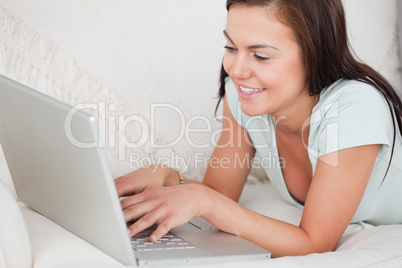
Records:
x=143, y=179
x=169, y=207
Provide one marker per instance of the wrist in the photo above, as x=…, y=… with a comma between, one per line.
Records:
x=208, y=198
x=163, y=173
x=219, y=210
x=172, y=177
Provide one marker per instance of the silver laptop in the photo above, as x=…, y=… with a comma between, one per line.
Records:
x=60, y=169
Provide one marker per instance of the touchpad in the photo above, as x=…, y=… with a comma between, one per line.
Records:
x=202, y=223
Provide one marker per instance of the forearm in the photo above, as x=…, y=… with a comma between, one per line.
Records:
x=282, y=239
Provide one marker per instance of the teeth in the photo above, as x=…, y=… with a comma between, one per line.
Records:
x=250, y=90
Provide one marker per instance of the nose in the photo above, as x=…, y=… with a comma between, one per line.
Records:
x=240, y=69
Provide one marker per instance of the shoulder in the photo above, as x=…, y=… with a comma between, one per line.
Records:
x=352, y=100
x=351, y=93
x=349, y=114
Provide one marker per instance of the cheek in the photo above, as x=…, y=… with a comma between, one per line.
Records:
x=292, y=72
x=227, y=63
x=297, y=68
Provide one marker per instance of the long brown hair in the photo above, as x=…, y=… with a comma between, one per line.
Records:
x=320, y=29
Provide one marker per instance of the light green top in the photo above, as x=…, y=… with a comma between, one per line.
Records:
x=348, y=114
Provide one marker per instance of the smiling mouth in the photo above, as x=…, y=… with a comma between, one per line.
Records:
x=250, y=90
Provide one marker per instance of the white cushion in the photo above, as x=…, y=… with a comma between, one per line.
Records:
x=15, y=247
x=54, y=246
x=373, y=33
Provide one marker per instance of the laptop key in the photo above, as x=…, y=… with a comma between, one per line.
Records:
x=140, y=242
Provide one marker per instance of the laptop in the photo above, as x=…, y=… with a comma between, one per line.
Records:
x=59, y=169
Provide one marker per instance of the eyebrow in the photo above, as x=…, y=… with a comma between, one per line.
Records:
x=264, y=45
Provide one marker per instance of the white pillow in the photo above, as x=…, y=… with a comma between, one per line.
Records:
x=373, y=33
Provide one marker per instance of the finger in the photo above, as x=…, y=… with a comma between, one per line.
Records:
x=139, y=205
x=117, y=180
x=122, y=188
x=121, y=178
x=127, y=187
x=135, y=199
x=146, y=221
x=163, y=228
x=134, y=212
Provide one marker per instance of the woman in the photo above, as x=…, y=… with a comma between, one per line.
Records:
x=334, y=122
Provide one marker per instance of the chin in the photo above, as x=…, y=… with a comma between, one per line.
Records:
x=254, y=107
x=252, y=111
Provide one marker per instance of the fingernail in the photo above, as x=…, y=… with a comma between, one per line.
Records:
x=152, y=237
x=129, y=231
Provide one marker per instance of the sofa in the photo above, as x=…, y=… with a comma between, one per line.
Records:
x=151, y=67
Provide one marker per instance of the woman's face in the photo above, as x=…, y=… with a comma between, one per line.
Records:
x=263, y=59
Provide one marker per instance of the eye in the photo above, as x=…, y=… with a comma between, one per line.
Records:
x=230, y=49
x=260, y=57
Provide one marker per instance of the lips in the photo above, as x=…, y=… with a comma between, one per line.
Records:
x=248, y=93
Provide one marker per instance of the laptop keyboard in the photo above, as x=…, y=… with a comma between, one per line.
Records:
x=140, y=242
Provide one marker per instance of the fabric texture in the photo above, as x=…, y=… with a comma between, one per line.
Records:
x=348, y=114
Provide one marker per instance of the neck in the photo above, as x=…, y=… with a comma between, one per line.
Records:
x=295, y=120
